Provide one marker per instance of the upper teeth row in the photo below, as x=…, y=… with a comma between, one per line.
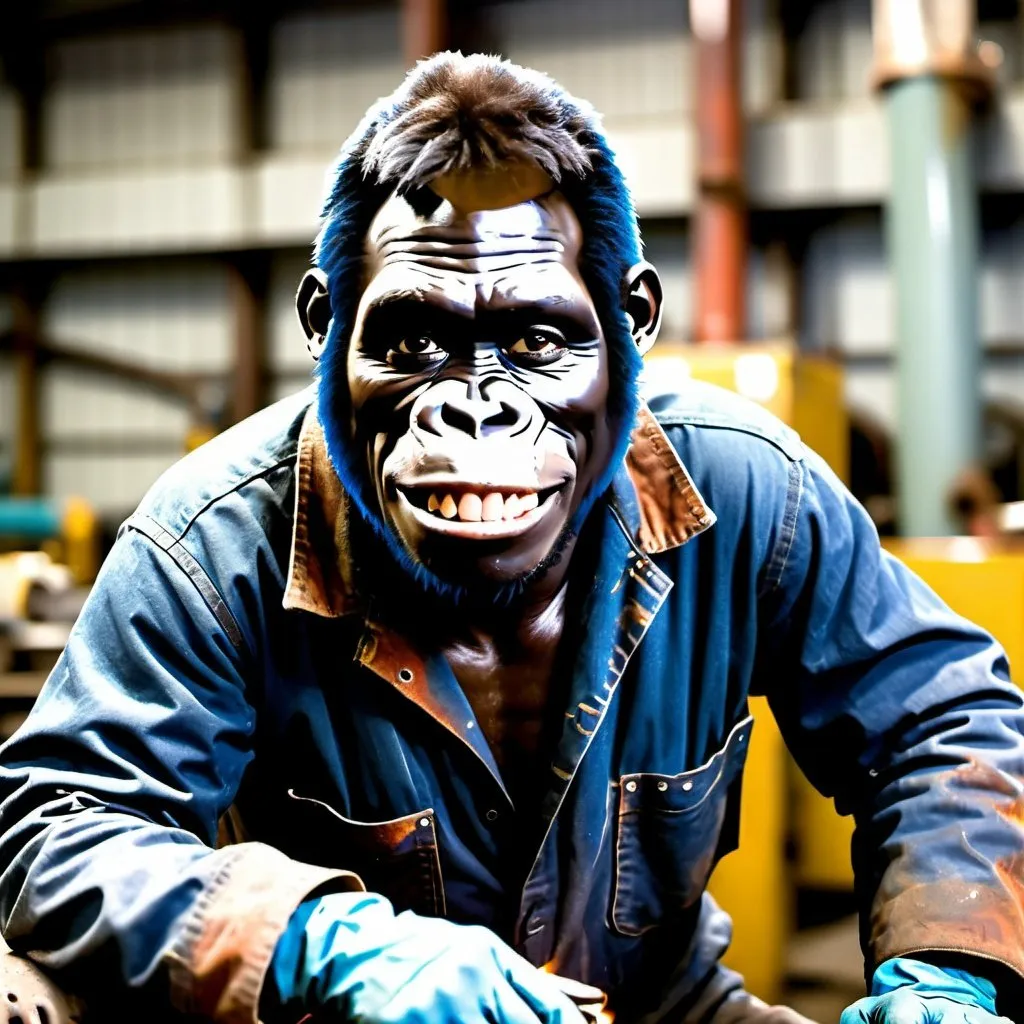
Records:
x=472, y=508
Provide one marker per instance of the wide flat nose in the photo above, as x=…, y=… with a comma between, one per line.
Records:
x=460, y=409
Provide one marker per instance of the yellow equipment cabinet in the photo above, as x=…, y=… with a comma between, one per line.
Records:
x=755, y=882
x=983, y=580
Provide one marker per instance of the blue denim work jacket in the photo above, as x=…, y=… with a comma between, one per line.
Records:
x=225, y=675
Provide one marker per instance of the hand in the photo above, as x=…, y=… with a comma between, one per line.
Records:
x=905, y=1006
x=347, y=956
x=908, y=991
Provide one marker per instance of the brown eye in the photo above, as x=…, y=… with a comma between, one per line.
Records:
x=415, y=350
x=538, y=345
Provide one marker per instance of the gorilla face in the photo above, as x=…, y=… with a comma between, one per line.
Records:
x=478, y=376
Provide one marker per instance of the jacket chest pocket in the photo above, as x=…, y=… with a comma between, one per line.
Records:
x=397, y=858
x=671, y=831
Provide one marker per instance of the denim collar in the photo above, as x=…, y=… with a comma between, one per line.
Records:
x=653, y=495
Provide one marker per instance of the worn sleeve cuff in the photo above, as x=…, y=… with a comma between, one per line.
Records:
x=218, y=963
x=952, y=916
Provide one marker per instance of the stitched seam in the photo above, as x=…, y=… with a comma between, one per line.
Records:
x=300, y=542
x=193, y=570
x=784, y=545
x=182, y=989
x=784, y=445
x=682, y=482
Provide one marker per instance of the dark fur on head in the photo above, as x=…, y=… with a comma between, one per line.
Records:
x=456, y=113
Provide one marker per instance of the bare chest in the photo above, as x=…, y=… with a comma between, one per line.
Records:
x=511, y=699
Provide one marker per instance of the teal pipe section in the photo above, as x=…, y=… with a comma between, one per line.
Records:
x=932, y=228
x=28, y=519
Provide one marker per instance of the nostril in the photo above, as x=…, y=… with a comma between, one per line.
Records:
x=459, y=419
x=507, y=416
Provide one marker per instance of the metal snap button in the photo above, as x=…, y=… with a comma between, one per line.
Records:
x=687, y=786
x=405, y=675
x=631, y=786
x=424, y=822
x=662, y=786
x=491, y=815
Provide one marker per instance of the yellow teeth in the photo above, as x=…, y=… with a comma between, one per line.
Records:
x=492, y=507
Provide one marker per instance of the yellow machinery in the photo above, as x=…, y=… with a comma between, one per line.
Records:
x=755, y=882
x=982, y=580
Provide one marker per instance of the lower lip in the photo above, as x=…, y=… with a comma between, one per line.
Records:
x=496, y=529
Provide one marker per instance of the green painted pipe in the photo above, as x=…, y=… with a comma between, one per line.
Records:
x=932, y=228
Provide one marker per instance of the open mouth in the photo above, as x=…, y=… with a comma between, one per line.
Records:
x=489, y=512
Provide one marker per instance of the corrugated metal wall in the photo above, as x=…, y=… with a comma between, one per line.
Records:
x=108, y=440
x=325, y=70
x=141, y=151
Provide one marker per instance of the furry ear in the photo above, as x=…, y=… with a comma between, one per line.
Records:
x=643, y=303
x=313, y=305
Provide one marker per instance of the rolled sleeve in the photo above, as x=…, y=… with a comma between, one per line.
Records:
x=904, y=713
x=111, y=792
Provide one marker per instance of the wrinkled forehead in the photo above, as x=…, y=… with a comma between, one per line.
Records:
x=540, y=230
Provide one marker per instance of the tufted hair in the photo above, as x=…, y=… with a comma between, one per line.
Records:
x=456, y=113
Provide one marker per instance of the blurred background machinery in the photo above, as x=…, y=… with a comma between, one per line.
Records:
x=833, y=191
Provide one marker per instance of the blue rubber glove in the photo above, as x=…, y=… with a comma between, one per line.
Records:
x=348, y=956
x=905, y=991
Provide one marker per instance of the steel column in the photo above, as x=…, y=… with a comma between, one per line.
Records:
x=931, y=81
x=720, y=214
x=424, y=28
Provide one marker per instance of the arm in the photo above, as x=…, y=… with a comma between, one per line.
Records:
x=111, y=795
x=904, y=713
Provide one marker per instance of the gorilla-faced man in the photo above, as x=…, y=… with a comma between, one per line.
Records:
x=421, y=697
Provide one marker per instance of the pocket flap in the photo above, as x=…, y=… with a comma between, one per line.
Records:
x=397, y=858
x=676, y=794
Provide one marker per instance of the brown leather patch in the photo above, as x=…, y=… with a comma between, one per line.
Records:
x=671, y=510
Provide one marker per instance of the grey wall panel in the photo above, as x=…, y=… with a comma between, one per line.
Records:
x=629, y=60
x=174, y=316
x=833, y=53
x=286, y=344
x=76, y=404
x=113, y=486
x=871, y=388
x=668, y=248
x=326, y=69
x=847, y=298
x=10, y=134
x=632, y=61
x=181, y=209
x=1001, y=296
x=167, y=96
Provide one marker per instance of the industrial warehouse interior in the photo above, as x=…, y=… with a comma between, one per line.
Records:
x=832, y=191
